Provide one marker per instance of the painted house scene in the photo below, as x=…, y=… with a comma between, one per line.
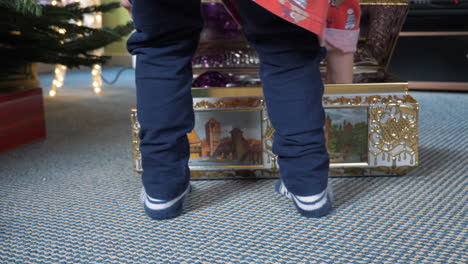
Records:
x=223, y=139
x=346, y=134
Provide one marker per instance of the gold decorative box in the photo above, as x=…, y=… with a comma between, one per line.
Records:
x=371, y=126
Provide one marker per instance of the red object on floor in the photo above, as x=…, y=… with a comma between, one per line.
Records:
x=22, y=118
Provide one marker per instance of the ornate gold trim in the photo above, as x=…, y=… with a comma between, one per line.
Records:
x=360, y=100
x=227, y=92
x=363, y=88
x=228, y=103
x=257, y=91
x=393, y=131
x=135, y=141
x=392, y=137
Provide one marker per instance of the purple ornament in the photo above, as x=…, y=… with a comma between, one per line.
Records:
x=219, y=24
x=211, y=79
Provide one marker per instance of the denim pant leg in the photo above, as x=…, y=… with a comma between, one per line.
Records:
x=293, y=91
x=166, y=37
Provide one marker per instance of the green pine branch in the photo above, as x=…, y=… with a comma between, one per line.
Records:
x=28, y=36
x=74, y=11
x=23, y=6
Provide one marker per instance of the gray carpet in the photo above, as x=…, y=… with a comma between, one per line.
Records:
x=74, y=198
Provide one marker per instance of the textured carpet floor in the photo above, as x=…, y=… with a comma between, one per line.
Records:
x=74, y=198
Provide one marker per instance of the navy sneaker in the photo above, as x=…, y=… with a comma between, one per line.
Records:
x=309, y=206
x=164, y=209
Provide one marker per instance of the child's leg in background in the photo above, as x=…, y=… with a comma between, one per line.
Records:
x=339, y=66
x=166, y=37
x=341, y=37
x=293, y=91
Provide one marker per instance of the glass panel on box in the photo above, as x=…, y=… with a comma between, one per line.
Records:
x=346, y=134
x=227, y=139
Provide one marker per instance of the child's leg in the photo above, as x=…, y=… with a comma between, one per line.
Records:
x=167, y=33
x=293, y=91
x=339, y=66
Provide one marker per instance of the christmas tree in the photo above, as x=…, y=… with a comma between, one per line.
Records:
x=32, y=32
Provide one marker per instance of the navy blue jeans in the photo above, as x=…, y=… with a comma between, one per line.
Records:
x=166, y=37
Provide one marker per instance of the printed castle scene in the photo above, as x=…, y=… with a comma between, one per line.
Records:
x=223, y=139
x=346, y=134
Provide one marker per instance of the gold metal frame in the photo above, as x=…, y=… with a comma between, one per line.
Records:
x=392, y=116
x=257, y=91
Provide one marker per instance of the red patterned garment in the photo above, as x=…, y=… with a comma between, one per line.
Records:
x=336, y=22
x=308, y=14
x=342, y=31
